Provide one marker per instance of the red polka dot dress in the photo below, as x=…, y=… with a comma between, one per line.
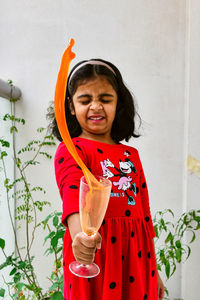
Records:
x=126, y=258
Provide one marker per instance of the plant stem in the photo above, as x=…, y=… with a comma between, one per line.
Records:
x=9, y=211
x=23, y=175
x=7, y=287
x=39, y=148
x=56, y=258
x=31, y=280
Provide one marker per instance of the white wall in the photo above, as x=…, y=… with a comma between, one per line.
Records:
x=191, y=269
x=6, y=231
x=148, y=41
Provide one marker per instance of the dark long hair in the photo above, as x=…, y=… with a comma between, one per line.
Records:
x=124, y=123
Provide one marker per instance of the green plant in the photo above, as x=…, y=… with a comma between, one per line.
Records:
x=24, y=283
x=175, y=248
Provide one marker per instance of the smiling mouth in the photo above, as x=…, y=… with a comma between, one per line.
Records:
x=96, y=118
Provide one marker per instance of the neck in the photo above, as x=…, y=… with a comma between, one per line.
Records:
x=98, y=138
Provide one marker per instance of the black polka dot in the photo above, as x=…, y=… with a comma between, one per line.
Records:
x=139, y=254
x=131, y=279
x=63, y=263
x=61, y=160
x=78, y=167
x=74, y=187
x=122, y=257
x=113, y=239
x=78, y=147
x=112, y=285
x=99, y=150
x=89, y=279
x=77, y=141
x=111, y=191
x=149, y=255
x=144, y=185
x=70, y=286
x=103, y=222
x=145, y=297
x=147, y=219
x=90, y=169
x=127, y=213
x=153, y=273
x=137, y=190
x=132, y=234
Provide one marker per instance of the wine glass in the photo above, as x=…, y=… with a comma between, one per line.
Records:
x=93, y=203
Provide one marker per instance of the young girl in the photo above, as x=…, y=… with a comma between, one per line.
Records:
x=100, y=113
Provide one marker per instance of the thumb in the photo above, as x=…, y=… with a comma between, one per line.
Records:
x=98, y=240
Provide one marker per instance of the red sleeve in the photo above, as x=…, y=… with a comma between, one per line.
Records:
x=145, y=202
x=68, y=175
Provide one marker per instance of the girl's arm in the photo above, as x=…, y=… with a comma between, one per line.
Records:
x=83, y=246
x=160, y=285
x=74, y=224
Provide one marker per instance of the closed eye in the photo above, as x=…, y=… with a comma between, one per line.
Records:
x=85, y=102
x=105, y=101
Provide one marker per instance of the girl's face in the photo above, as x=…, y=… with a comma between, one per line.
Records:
x=94, y=104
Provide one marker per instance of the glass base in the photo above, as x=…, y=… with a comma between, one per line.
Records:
x=86, y=271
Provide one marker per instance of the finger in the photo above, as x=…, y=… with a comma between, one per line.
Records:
x=88, y=258
x=98, y=240
x=89, y=241
x=88, y=244
x=79, y=248
x=159, y=293
x=162, y=292
x=84, y=240
x=84, y=259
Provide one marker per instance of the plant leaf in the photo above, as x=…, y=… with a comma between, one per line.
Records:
x=55, y=221
x=178, y=254
x=178, y=244
x=2, y=243
x=4, y=143
x=3, y=153
x=19, y=286
x=167, y=269
x=14, y=270
x=156, y=230
x=53, y=287
x=54, y=241
x=169, y=238
x=193, y=237
x=2, y=292
x=57, y=296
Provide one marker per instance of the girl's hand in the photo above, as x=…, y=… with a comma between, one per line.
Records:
x=84, y=247
x=161, y=288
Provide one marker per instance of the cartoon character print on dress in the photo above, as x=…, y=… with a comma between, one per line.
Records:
x=125, y=181
x=106, y=172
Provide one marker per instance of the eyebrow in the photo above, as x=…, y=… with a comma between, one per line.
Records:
x=101, y=95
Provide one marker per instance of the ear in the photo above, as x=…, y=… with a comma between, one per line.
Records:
x=71, y=108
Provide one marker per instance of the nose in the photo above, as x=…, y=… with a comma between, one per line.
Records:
x=96, y=105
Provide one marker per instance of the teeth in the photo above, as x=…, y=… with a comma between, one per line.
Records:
x=96, y=118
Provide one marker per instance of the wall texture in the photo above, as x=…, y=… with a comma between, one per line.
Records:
x=155, y=44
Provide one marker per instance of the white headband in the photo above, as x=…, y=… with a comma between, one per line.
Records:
x=91, y=62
